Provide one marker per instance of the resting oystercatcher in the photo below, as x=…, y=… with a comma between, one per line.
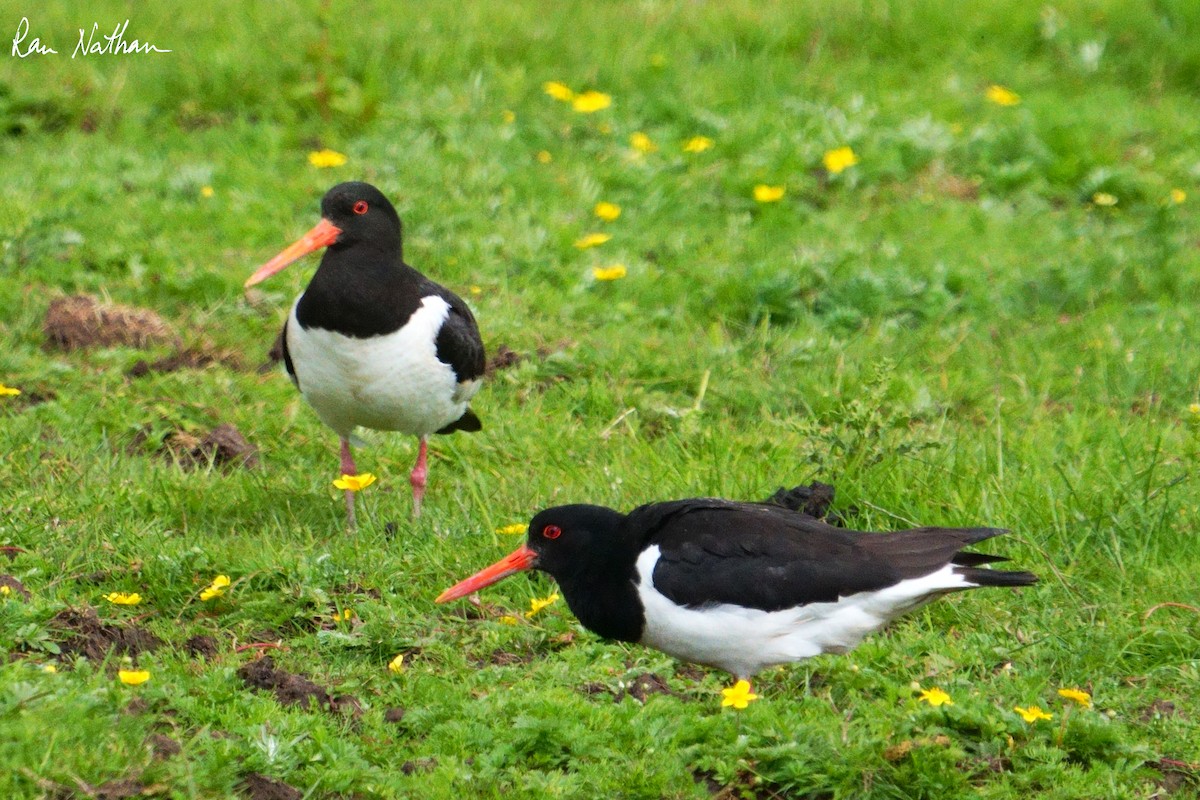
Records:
x=740, y=586
x=372, y=342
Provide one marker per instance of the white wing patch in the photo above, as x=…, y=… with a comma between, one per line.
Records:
x=743, y=641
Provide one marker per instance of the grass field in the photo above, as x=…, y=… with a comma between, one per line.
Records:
x=990, y=318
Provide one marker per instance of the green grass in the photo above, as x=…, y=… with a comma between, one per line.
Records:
x=951, y=331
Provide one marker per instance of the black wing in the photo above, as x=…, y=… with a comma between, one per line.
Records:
x=771, y=558
x=458, y=341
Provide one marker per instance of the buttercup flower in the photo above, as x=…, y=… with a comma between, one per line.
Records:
x=697, y=144
x=133, y=677
x=1032, y=714
x=123, y=598
x=8, y=391
x=322, y=159
x=50, y=668
x=607, y=211
x=591, y=101
x=206, y=191
x=613, y=273
x=345, y=615
x=508, y=117
x=1178, y=196
x=739, y=695
x=1194, y=408
x=839, y=159
x=768, y=194
x=216, y=588
x=1078, y=695
x=396, y=665
x=642, y=143
x=355, y=483
x=559, y=91
x=538, y=603
x=515, y=528
x=1002, y=96
x=507, y=620
x=544, y=157
x=935, y=697
x=592, y=240
x=5, y=591
x=1104, y=199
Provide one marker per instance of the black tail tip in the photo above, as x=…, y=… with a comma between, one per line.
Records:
x=981, y=576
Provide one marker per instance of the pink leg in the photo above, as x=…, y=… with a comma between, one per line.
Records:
x=417, y=478
x=348, y=468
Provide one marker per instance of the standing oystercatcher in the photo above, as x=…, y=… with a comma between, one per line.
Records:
x=740, y=586
x=371, y=342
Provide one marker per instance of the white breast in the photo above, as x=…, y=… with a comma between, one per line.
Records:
x=743, y=641
x=393, y=382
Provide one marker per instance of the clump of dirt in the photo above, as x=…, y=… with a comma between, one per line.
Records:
x=14, y=586
x=640, y=688
x=814, y=499
x=162, y=746
x=394, y=715
x=290, y=689
x=186, y=358
x=502, y=658
x=257, y=786
x=418, y=765
x=81, y=321
x=503, y=358
x=88, y=636
x=202, y=646
x=223, y=446
x=1159, y=709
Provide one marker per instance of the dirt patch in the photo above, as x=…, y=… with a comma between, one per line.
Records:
x=640, y=688
x=1176, y=775
x=503, y=658
x=1159, y=709
x=14, y=587
x=187, y=358
x=394, y=715
x=88, y=636
x=163, y=747
x=223, y=446
x=814, y=499
x=81, y=322
x=293, y=690
x=202, y=646
x=257, y=786
x=503, y=358
x=418, y=765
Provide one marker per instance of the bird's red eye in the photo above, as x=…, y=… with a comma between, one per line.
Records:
x=552, y=531
x=360, y=207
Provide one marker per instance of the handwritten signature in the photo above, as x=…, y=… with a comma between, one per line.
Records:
x=113, y=44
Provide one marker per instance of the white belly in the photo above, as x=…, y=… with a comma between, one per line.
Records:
x=743, y=641
x=390, y=383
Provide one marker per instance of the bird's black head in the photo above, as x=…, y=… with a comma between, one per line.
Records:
x=363, y=215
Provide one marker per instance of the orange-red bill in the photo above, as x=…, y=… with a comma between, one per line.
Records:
x=323, y=234
x=519, y=560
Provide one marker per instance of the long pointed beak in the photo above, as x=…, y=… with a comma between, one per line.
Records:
x=323, y=234
x=519, y=560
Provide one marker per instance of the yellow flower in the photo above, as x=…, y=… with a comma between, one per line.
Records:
x=1194, y=408
x=591, y=101
x=697, y=144
x=839, y=159
x=5, y=591
x=50, y=668
x=1078, y=695
x=935, y=697
x=355, y=483
x=592, y=240
x=123, y=598
x=206, y=191
x=475, y=290
x=768, y=194
x=396, y=665
x=642, y=143
x=326, y=158
x=216, y=588
x=508, y=117
x=739, y=695
x=613, y=273
x=8, y=391
x=544, y=157
x=1032, y=714
x=559, y=91
x=133, y=677
x=1178, y=196
x=538, y=603
x=507, y=620
x=1104, y=199
x=345, y=615
x=515, y=528
x=607, y=211
x=1002, y=96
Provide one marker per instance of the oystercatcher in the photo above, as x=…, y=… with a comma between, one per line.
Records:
x=740, y=586
x=372, y=342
